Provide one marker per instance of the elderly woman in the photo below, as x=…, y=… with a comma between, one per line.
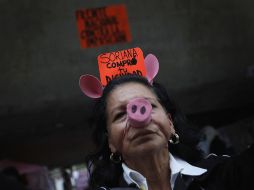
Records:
x=137, y=130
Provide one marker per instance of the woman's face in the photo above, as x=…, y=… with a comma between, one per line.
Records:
x=131, y=141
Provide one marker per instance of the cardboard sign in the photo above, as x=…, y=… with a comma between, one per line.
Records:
x=102, y=26
x=114, y=64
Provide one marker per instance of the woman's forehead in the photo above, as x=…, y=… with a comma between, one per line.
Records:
x=130, y=90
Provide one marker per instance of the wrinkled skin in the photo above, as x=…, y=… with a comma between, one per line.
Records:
x=131, y=141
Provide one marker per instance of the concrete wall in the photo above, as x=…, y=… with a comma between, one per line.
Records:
x=197, y=43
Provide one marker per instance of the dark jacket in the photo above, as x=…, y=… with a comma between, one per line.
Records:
x=223, y=173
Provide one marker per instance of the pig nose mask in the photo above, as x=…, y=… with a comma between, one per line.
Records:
x=138, y=112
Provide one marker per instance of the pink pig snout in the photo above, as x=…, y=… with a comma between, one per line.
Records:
x=139, y=112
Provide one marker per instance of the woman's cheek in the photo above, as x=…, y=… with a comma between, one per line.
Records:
x=118, y=135
x=164, y=124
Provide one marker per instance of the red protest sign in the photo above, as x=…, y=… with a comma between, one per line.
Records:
x=102, y=26
x=114, y=64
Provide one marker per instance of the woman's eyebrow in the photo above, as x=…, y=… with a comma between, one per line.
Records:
x=116, y=108
x=152, y=99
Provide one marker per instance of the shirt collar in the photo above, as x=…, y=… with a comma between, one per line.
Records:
x=177, y=166
x=132, y=176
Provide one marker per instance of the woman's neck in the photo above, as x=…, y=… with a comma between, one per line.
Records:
x=155, y=168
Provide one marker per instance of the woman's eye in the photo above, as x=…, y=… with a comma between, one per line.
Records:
x=153, y=106
x=119, y=115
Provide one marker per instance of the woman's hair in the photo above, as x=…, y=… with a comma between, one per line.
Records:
x=103, y=172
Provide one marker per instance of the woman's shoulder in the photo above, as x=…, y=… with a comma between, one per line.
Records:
x=213, y=160
x=236, y=169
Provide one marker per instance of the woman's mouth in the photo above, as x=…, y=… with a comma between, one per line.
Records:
x=142, y=133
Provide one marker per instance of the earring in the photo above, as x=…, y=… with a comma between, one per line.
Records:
x=174, y=139
x=115, y=158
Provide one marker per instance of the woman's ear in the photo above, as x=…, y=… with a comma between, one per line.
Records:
x=171, y=123
x=170, y=118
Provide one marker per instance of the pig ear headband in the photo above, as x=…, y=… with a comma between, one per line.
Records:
x=93, y=88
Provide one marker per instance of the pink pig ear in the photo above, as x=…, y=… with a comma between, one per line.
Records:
x=91, y=86
x=152, y=67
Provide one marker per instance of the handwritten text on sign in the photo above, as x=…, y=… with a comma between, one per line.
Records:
x=101, y=26
x=114, y=64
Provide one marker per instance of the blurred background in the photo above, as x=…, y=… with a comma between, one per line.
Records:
x=205, y=50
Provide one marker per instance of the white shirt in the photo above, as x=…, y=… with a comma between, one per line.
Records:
x=177, y=166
